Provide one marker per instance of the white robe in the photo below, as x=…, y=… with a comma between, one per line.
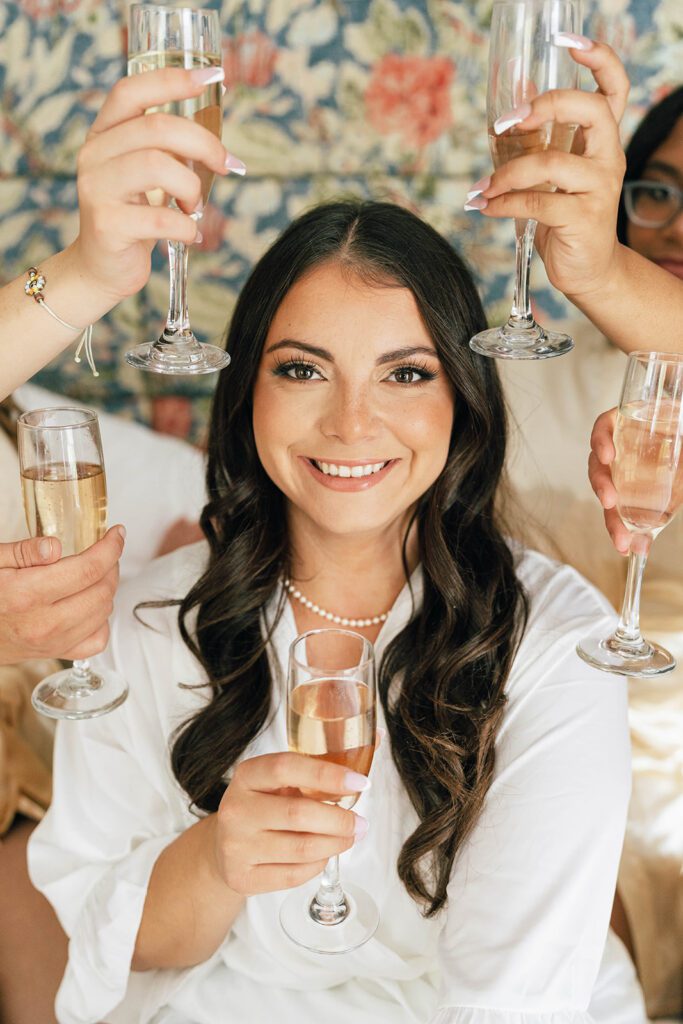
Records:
x=524, y=934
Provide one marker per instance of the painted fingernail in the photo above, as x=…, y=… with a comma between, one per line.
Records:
x=355, y=782
x=45, y=548
x=479, y=187
x=572, y=42
x=223, y=90
x=511, y=117
x=235, y=165
x=122, y=532
x=207, y=76
x=476, y=203
x=199, y=238
x=199, y=208
x=360, y=827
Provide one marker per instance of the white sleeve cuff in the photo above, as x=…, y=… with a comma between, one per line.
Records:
x=103, y=940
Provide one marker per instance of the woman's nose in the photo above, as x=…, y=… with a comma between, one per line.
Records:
x=350, y=416
x=675, y=228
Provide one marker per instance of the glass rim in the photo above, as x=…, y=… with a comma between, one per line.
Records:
x=87, y=416
x=367, y=644
x=172, y=9
x=532, y=3
x=641, y=356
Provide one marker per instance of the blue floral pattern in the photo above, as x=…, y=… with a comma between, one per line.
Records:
x=384, y=98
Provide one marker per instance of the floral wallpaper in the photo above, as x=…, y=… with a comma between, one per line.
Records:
x=380, y=98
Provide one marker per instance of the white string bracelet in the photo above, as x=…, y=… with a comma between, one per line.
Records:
x=35, y=284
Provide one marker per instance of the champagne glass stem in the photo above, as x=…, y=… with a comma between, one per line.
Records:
x=329, y=905
x=520, y=315
x=178, y=318
x=80, y=682
x=628, y=629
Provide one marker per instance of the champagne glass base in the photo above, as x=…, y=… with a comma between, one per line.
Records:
x=59, y=696
x=608, y=656
x=359, y=926
x=181, y=357
x=502, y=343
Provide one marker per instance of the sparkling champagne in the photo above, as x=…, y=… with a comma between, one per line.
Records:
x=514, y=143
x=66, y=501
x=333, y=719
x=204, y=109
x=648, y=469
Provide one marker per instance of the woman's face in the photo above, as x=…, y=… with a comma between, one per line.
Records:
x=663, y=245
x=352, y=408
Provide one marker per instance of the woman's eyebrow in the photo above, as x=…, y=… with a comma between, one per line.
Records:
x=406, y=353
x=322, y=353
x=663, y=168
x=314, y=350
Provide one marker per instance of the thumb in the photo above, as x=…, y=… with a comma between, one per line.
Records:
x=20, y=554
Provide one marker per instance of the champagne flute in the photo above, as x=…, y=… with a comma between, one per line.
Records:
x=331, y=715
x=523, y=62
x=178, y=37
x=648, y=477
x=65, y=496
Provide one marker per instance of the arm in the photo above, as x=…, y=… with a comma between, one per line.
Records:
x=126, y=155
x=635, y=303
x=264, y=838
x=30, y=336
x=638, y=306
x=530, y=895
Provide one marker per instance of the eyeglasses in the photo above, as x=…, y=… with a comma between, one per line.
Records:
x=652, y=204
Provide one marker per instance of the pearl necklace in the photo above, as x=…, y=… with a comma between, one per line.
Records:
x=337, y=619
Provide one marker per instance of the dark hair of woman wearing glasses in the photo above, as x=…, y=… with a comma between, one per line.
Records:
x=651, y=205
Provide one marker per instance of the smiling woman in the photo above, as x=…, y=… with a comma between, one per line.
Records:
x=355, y=453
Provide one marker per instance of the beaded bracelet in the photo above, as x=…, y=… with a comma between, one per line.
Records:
x=35, y=284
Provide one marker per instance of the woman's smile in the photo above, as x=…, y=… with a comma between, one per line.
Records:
x=349, y=475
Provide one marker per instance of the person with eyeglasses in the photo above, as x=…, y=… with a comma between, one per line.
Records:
x=552, y=403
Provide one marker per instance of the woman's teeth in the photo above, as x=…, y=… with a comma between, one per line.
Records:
x=331, y=469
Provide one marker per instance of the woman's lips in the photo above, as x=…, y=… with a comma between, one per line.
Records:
x=348, y=483
x=674, y=267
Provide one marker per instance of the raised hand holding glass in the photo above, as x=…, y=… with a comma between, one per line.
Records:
x=525, y=60
x=648, y=477
x=65, y=496
x=179, y=37
x=331, y=714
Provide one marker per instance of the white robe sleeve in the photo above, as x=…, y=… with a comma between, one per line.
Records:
x=530, y=897
x=115, y=807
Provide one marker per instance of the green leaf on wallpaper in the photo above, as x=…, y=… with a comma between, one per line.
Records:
x=387, y=29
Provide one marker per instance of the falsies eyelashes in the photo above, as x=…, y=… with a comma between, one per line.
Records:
x=284, y=368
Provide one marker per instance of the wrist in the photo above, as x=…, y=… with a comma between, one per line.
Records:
x=95, y=295
x=602, y=288
x=210, y=865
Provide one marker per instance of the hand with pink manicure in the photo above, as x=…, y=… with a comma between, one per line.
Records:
x=576, y=235
x=128, y=155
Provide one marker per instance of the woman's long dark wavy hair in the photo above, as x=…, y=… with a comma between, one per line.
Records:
x=454, y=657
x=651, y=133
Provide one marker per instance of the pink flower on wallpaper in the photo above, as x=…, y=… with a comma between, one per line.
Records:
x=411, y=96
x=212, y=226
x=48, y=8
x=172, y=414
x=249, y=59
